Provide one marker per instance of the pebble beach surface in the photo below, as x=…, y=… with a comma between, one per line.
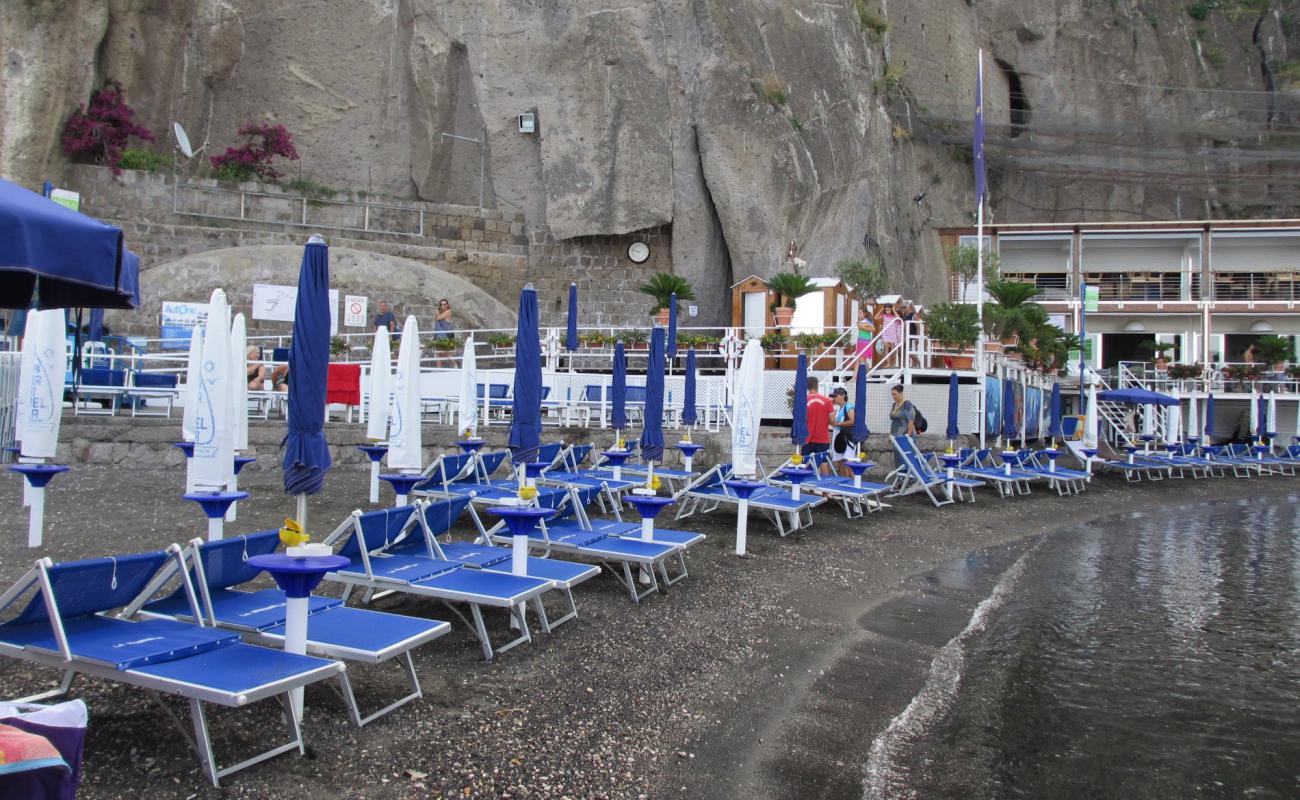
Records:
x=764, y=677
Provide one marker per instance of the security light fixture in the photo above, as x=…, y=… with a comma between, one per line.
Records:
x=528, y=122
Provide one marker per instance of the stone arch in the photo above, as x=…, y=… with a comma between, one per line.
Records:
x=414, y=287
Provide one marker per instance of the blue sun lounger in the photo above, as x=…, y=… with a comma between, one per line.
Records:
x=915, y=475
x=570, y=473
x=65, y=626
x=334, y=630
x=1268, y=461
x=367, y=538
x=1183, y=464
x=563, y=575
x=1009, y=480
x=1061, y=479
x=709, y=491
x=1134, y=469
x=856, y=501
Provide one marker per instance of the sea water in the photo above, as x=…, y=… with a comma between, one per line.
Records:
x=1150, y=655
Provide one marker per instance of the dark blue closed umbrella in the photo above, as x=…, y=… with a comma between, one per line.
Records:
x=1209, y=416
x=688, y=402
x=306, y=455
x=618, y=394
x=526, y=405
x=1009, y=428
x=1054, y=430
x=571, y=335
x=799, y=423
x=860, y=431
x=954, y=394
x=672, y=327
x=76, y=259
x=96, y=325
x=652, y=435
x=1262, y=417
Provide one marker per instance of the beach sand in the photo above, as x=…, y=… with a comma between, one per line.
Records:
x=765, y=677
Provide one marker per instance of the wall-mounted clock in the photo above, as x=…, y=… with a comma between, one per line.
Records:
x=638, y=252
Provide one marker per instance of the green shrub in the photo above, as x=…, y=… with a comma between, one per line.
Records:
x=869, y=19
x=866, y=278
x=772, y=90
x=146, y=160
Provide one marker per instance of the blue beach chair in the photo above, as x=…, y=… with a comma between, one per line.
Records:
x=915, y=475
x=334, y=631
x=382, y=565
x=65, y=625
x=709, y=492
x=856, y=501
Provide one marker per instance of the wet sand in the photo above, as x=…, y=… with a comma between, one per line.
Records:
x=766, y=677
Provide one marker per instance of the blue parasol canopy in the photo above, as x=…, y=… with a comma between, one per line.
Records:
x=306, y=455
x=860, y=430
x=77, y=260
x=652, y=436
x=571, y=335
x=1262, y=415
x=1054, y=430
x=799, y=422
x=1010, y=429
x=618, y=394
x=96, y=325
x=954, y=394
x=672, y=327
x=688, y=401
x=1137, y=397
x=526, y=405
x=1209, y=415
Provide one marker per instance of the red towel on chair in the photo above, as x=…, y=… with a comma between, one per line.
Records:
x=343, y=385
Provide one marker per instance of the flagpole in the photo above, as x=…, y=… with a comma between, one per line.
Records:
x=979, y=244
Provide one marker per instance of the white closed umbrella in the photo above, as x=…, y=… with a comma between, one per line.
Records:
x=405, y=448
x=1254, y=413
x=1193, y=418
x=1173, y=423
x=1090, y=427
x=746, y=417
x=190, y=399
x=238, y=397
x=213, y=464
x=41, y=376
x=467, y=411
x=381, y=388
x=1271, y=426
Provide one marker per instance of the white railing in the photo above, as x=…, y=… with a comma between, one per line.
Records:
x=10, y=363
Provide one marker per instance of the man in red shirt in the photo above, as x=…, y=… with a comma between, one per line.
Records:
x=820, y=410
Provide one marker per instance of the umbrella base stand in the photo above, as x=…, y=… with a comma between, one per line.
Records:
x=215, y=505
x=35, y=478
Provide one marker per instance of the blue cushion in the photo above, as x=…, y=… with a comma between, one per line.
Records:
x=476, y=554
x=477, y=585
x=553, y=569
x=236, y=668
x=402, y=567
x=121, y=644
x=362, y=629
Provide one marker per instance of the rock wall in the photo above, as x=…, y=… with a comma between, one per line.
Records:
x=742, y=125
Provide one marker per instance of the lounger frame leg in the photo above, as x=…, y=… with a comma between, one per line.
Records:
x=203, y=741
x=65, y=685
x=346, y=694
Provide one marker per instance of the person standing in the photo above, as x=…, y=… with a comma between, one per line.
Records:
x=866, y=330
x=842, y=448
x=386, y=318
x=820, y=410
x=889, y=331
x=902, y=415
x=442, y=322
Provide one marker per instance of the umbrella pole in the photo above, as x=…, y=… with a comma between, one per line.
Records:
x=36, y=518
x=374, y=482
x=742, y=524
x=216, y=528
x=301, y=515
x=233, y=486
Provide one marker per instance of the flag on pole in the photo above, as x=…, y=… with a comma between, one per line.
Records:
x=977, y=146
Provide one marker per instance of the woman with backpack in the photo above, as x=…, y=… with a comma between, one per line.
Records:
x=902, y=416
x=842, y=447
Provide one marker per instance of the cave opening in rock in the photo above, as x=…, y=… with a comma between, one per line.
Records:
x=1018, y=101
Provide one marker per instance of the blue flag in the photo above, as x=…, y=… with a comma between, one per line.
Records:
x=977, y=146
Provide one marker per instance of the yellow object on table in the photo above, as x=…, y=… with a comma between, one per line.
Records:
x=292, y=534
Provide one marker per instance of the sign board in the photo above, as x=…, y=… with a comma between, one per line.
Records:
x=354, y=311
x=1091, y=298
x=66, y=198
x=178, y=321
x=276, y=303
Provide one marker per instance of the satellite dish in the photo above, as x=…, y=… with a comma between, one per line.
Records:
x=182, y=140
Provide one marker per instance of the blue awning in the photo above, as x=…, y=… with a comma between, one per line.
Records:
x=1137, y=397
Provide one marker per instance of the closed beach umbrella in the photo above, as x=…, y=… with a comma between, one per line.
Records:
x=860, y=430
x=1209, y=417
x=1054, y=430
x=96, y=325
x=1148, y=419
x=42, y=373
x=618, y=392
x=239, y=383
x=1270, y=419
x=672, y=327
x=1254, y=413
x=467, y=411
x=193, y=364
x=1090, y=425
x=747, y=411
x=1193, y=419
x=1173, y=422
x=571, y=334
x=954, y=394
x=1261, y=416
x=1009, y=426
x=306, y=455
x=213, y=462
x=381, y=385
x=688, y=395
x=652, y=434
x=405, y=436
x=799, y=421
x=526, y=405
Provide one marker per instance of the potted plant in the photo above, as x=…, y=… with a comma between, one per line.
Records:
x=443, y=344
x=1159, y=354
x=1293, y=372
x=501, y=342
x=1184, y=372
x=1275, y=350
x=788, y=287
x=955, y=326
x=662, y=286
x=338, y=346
x=635, y=339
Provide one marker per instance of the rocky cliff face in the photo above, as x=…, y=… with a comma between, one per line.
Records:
x=742, y=124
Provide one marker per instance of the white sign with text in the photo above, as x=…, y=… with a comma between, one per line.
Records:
x=274, y=302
